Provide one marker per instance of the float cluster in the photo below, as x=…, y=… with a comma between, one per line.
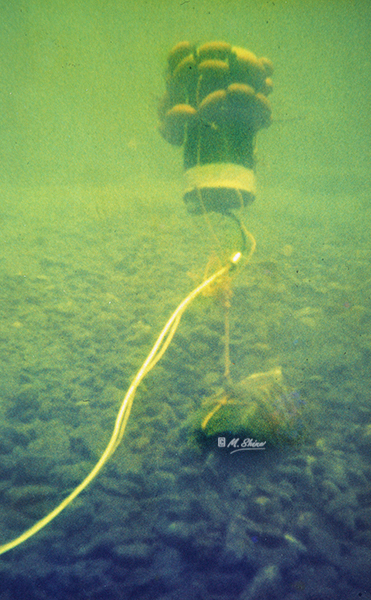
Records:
x=215, y=102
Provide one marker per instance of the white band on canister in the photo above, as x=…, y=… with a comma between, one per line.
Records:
x=216, y=175
x=218, y=187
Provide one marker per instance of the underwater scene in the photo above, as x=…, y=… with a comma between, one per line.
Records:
x=185, y=275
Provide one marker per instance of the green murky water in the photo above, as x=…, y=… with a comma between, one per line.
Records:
x=96, y=252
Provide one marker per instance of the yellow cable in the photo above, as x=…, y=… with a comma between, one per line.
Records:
x=158, y=350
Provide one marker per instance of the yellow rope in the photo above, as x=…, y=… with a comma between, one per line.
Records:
x=158, y=350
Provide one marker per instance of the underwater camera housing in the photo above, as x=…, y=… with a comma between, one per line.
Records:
x=214, y=105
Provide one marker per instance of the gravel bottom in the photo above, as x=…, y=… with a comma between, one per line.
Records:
x=87, y=286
